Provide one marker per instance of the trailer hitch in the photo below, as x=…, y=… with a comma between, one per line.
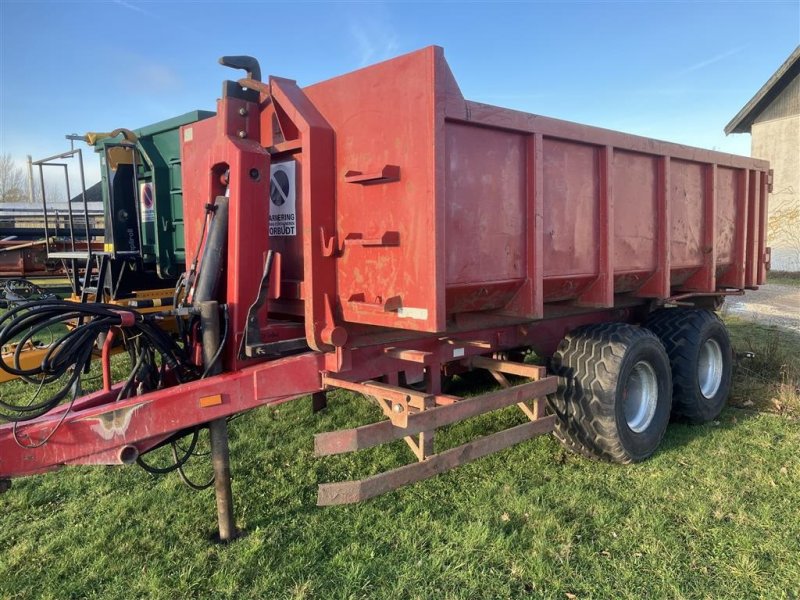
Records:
x=245, y=63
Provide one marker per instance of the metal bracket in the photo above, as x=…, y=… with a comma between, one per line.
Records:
x=252, y=331
x=334, y=245
x=279, y=348
x=386, y=174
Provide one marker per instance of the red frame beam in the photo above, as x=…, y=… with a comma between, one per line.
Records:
x=99, y=426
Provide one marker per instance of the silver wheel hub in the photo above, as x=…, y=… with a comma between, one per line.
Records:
x=709, y=368
x=641, y=396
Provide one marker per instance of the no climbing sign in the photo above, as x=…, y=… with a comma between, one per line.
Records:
x=282, y=214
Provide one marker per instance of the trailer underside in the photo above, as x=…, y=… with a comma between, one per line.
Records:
x=99, y=429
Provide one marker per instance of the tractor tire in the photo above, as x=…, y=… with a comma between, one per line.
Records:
x=700, y=354
x=614, y=393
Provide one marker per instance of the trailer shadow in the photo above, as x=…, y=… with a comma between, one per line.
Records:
x=680, y=434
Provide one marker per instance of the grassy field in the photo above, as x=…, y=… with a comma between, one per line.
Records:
x=714, y=514
x=784, y=278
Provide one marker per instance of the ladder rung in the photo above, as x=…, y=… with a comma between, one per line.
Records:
x=65, y=255
x=347, y=492
x=507, y=366
x=415, y=356
x=367, y=436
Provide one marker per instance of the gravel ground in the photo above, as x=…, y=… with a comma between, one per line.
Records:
x=772, y=304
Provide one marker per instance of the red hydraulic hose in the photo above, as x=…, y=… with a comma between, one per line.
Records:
x=106, y=359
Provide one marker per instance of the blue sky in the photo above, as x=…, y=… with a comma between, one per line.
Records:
x=671, y=70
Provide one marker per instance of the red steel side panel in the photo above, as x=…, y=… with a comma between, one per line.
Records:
x=687, y=214
x=388, y=222
x=445, y=206
x=726, y=215
x=676, y=214
x=571, y=209
x=635, y=213
x=485, y=196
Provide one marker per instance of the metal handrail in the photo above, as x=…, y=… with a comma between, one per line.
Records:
x=49, y=162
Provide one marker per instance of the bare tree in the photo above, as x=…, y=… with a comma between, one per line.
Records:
x=13, y=182
x=54, y=190
x=783, y=227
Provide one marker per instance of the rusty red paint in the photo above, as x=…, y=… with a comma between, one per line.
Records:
x=98, y=425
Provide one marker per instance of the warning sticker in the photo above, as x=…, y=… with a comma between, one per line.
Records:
x=282, y=194
x=146, y=203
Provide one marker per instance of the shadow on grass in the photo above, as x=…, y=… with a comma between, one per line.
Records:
x=681, y=434
x=769, y=381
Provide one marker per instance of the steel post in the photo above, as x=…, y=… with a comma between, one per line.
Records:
x=220, y=458
x=220, y=455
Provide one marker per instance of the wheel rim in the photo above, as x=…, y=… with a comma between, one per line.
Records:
x=641, y=396
x=709, y=368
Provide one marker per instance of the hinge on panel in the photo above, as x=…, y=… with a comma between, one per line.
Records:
x=333, y=246
x=769, y=181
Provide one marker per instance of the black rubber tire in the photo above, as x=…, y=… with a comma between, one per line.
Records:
x=683, y=331
x=593, y=364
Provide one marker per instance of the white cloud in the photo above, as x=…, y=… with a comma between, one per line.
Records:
x=374, y=41
x=133, y=7
x=710, y=61
x=155, y=77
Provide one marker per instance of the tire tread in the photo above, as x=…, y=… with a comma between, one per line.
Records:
x=678, y=329
x=590, y=358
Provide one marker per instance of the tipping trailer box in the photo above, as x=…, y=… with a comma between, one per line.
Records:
x=371, y=230
x=444, y=207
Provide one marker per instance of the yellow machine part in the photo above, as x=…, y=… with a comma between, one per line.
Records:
x=33, y=355
x=28, y=358
x=140, y=295
x=117, y=155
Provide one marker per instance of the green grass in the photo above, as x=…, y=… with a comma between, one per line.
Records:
x=714, y=514
x=771, y=379
x=784, y=277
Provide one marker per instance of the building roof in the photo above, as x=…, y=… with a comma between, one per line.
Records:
x=94, y=193
x=743, y=121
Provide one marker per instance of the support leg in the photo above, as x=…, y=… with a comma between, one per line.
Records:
x=319, y=401
x=220, y=458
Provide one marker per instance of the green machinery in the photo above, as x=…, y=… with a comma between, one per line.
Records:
x=143, y=204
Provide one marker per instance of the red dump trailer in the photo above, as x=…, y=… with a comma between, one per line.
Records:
x=380, y=233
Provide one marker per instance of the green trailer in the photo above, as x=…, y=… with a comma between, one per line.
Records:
x=144, y=220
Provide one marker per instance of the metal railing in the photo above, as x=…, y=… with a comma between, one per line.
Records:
x=79, y=249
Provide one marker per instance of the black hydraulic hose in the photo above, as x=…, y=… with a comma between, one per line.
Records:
x=179, y=462
x=70, y=354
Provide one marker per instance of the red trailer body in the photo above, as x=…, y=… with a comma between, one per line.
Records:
x=497, y=210
x=442, y=207
x=414, y=232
